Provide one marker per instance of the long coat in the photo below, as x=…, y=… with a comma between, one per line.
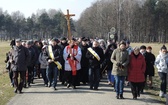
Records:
x=136, y=68
x=20, y=58
x=150, y=64
x=84, y=60
x=122, y=57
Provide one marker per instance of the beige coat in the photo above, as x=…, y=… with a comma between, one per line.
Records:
x=122, y=57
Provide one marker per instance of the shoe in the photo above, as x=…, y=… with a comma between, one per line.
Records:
x=68, y=85
x=15, y=91
x=46, y=85
x=117, y=97
x=109, y=83
x=142, y=92
x=161, y=94
x=91, y=88
x=138, y=94
x=29, y=85
x=96, y=89
x=49, y=85
x=25, y=86
x=20, y=92
x=121, y=96
x=74, y=87
x=134, y=98
x=11, y=84
x=55, y=88
x=63, y=83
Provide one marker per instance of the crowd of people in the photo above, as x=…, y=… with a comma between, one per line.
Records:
x=85, y=60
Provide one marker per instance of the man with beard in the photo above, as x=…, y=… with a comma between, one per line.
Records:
x=96, y=57
x=84, y=62
x=63, y=44
x=72, y=56
x=19, y=60
x=54, y=55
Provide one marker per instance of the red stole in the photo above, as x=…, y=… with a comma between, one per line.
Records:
x=73, y=63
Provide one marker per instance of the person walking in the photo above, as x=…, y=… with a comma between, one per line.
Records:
x=19, y=61
x=108, y=63
x=43, y=65
x=72, y=56
x=96, y=58
x=84, y=62
x=150, y=71
x=136, y=71
x=161, y=63
x=120, y=60
x=53, y=57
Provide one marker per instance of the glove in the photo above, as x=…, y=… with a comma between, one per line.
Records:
x=118, y=64
x=68, y=56
x=72, y=46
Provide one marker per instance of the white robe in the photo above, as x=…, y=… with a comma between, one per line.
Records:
x=78, y=57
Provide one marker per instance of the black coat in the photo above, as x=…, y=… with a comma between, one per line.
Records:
x=57, y=55
x=150, y=60
x=20, y=58
x=107, y=61
x=32, y=58
x=84, y=59
x=94, y=63
x=62, y=46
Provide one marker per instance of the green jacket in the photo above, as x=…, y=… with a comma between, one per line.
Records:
x=122, y=57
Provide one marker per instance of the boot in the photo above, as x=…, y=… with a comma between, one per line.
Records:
x=121, y=96
x=117, y=97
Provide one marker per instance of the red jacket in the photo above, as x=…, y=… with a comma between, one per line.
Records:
x=136, y=69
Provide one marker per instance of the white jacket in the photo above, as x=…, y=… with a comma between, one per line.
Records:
x=78, y=57
x=161, y=63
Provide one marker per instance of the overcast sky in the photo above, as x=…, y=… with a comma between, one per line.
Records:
x=27, y=7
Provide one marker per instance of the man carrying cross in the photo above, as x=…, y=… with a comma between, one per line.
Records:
x=72, y=56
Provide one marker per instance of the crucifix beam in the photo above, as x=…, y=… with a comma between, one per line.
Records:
x=68, y=17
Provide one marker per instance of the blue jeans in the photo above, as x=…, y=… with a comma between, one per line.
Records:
x=110, y=77
x=119, y=84
x=44, y=76
x=52, y=75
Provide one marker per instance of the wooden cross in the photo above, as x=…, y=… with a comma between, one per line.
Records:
x=68, y=17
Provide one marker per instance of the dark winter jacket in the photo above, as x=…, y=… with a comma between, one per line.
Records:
x=32, y=58
x=94, y=63
x=57, y=55
x=20, y=58
x=84, y=60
